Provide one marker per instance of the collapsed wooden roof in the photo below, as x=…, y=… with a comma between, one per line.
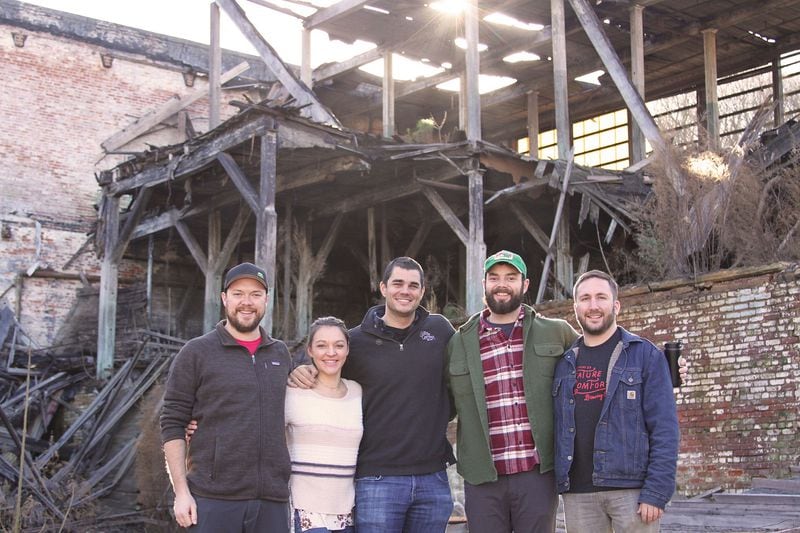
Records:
x=749, y=34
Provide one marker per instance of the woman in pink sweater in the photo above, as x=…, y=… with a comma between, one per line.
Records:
x=323, y=431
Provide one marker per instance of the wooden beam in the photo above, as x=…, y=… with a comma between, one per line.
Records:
x=240, y=181
x=306, y=100
x=137, y=210
x=472, y=61
x=337, y=10
x=288, y=232
x=305, y=57
x=214, y=70
x=637, y=144
x=596, y=33
x=327, y=244
x=155, y=117
x=530, y=226
x=533, y=124
x=419, y=237
x=372, y=250
x=371, y=198
x=213, y=281
x=235, y=233
x=109, y=280
x=560, y=79
x=712, y=99
x=195, y=160
x=447, y=214
x=331, y=70
x=194, y=247
x=556, y=227
x=777, y=92
x=387, y=95
x=476, y=248
x=267, y=221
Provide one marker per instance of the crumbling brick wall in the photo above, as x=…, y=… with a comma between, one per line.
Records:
x=739, y=409
x=59, y=103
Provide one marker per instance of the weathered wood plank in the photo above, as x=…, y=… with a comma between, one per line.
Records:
x=240, y=181
x=144, y=123
x=137, y=210
x=370, y=198
x=339, y=9
x=109, y=280
x=530, y=226
x=204, y=155
x=267, y=221
x=311, y=107
x=447, y=214
x=191, y=243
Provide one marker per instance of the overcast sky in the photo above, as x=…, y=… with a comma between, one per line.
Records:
x=189, y=19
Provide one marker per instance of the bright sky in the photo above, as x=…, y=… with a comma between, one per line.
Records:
x=189, y=19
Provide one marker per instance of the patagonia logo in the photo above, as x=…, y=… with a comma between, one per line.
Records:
x=426, y=336
x=631, y=394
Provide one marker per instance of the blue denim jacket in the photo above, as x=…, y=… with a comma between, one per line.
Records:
x=636, y=439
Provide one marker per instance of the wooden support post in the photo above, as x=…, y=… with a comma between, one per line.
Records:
x=109, y=280
x=214, y=71
x=267, y=220
x=472, y=70
x=556, y=228
x=150, y=281
x=777, y=91
x=386, y=252
x=419, y=237
x=476, y=248
x=633, y=100
x=213, y=286
x=637, y=144
x=462, y=102
x=287, y=270
x=372, y=250
x=560, y=81
x=533, y=124
x=712, y=103
x=388, y=95
x=305, y=57
x=303, y=287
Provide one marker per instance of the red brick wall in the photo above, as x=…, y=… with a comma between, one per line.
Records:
x=739, y=406
x=59, y=103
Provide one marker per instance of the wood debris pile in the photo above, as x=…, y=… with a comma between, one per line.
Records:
x=68, y=428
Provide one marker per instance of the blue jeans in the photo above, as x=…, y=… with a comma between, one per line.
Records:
x=403, y=504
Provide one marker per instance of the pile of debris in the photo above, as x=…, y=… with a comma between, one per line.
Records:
x=68, y=439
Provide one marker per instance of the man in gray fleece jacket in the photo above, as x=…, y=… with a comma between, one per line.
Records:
x=232, y=380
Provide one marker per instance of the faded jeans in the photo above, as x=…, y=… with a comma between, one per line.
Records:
x=403, y=504
x=604, y=512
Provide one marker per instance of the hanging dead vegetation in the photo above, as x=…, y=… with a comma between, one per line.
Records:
x=739, y=207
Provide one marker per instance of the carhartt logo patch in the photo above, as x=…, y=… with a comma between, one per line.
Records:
x=631, y=394
x=426, y=336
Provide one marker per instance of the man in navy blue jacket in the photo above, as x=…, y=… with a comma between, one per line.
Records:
x=616, y=426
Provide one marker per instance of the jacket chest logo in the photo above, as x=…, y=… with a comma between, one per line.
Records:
x=427, y=336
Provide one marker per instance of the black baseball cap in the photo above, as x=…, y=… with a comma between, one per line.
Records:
x=245, y=270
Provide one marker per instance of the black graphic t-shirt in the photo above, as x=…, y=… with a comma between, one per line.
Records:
x=589, y=393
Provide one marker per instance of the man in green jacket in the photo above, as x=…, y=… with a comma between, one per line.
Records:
x=500, y=367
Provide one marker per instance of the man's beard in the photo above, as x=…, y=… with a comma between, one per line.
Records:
x=242, y=327
x=605, y=325
x=502, y=308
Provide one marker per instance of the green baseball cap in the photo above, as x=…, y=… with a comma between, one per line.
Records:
x=504, y=256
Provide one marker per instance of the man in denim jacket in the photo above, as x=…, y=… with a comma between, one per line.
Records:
x=616, y=426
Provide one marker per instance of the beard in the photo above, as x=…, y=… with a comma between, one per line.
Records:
x=605, y=325
x=244, y=326
x=502, y=308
